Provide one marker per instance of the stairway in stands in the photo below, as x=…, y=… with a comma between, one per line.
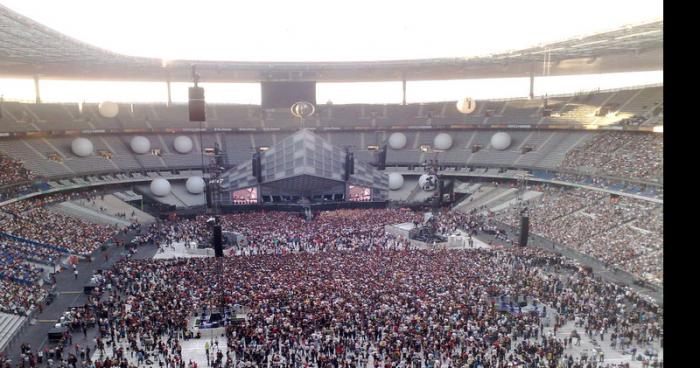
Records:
x=113, y=205
x=103, y=210
x=510, y=201
x=473, y=201
x=10, y=324
x=71, y=209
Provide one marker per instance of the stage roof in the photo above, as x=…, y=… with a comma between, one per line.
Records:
x=303, y=162
x=27, y=49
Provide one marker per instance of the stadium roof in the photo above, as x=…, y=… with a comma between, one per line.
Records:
x=28, y=48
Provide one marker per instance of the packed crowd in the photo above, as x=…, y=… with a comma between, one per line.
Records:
x=341, y=229
x=555, y=202
x=40, y=237
x=12, y=266
x=329, y=230
x=620, y=231
x=407, y=308
x=14, y=191
x=13, y=171
x=18, y=207
x=30, y=251
x=48, y=227
x=19, y=298
x=627, y=155
x=30, y=219
x=639, y=244
x=338, y=291
x=19, y=284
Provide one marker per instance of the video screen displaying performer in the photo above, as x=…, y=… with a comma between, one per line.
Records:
x=245, y=196
x=359, y=194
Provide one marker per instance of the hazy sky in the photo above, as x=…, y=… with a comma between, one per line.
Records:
x=315, y=30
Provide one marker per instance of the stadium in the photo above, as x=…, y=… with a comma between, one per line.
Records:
x=274, y=207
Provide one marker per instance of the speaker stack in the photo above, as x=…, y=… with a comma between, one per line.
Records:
x=381, y=158
x=197, y=104
x=257, y=166
x=217, y=242
x=524, y=230
x=209, y=197
x=349, y=165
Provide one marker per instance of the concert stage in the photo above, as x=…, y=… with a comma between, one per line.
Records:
x=302, y=169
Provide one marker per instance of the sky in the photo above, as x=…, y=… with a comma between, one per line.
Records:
x=314, y=30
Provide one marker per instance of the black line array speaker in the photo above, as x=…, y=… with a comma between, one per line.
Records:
x=207, y=189
x=197, y=104
x=381, y=158
x=257, y=166
x=217, y=242
x=349, y=165
x=352, y=163
x=524, y=230
x=254, y=165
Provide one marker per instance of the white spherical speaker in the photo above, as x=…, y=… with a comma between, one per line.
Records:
x=140, y=144
x=397, y=141
x=501, y=141
x=81, y=147
x=183, y=144
x=466, y=105
x=108, y=109
x=160, y=187
x=395, y=181
x=195, y=185
x=442, y=141
x=427, y=182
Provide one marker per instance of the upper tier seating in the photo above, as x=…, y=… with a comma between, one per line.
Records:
x=576, y=110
